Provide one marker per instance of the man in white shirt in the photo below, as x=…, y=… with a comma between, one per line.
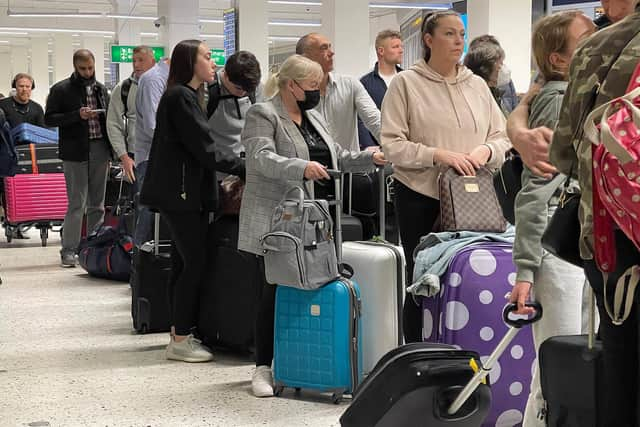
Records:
x=390, y=55
x=343, y=98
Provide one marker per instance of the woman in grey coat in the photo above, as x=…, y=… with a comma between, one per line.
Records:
x=287, y=144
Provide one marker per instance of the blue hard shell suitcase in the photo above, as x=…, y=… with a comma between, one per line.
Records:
x=317, y=339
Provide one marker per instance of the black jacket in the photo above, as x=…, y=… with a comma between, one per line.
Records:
x=34, y=113
x=181, y=174
x=377, y=88
x=63, y=111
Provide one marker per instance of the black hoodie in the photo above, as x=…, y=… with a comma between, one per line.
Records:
x=63, y=111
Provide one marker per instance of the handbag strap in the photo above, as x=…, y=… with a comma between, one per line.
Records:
x=622, y=297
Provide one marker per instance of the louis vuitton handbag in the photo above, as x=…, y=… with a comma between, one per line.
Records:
x=469, y=203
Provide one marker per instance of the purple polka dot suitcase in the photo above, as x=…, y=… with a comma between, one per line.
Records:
x=468, y=313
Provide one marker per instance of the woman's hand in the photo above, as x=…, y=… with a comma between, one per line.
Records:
x=481, y=154
x=315, y=171
x=464, y=164
x=378, y=158
x=520, y=295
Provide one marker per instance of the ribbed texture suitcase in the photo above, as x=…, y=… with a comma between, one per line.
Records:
x=379, y=268
x=467, y=313
x=35, y=197
x=317, y=338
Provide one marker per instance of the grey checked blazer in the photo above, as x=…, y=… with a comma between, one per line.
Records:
x=276, y=157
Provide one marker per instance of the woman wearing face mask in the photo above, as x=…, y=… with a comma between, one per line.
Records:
x=435, y=115
x=287, y=144
x=181, y=183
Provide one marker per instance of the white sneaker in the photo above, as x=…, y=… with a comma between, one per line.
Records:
x=262, y=382
x=188, y=350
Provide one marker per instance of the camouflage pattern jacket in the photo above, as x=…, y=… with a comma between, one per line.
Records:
x=600, y=71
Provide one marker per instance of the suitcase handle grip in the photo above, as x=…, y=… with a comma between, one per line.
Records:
x=519, y=323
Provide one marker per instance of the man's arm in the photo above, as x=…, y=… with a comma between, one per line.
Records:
x=532, y=144
x=116, y=128
x=54, y=116
x=147, y=101
x=366, y=108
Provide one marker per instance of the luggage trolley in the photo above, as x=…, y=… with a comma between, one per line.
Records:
x=34, y=200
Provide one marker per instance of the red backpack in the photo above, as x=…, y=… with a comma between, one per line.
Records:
x=614, y=131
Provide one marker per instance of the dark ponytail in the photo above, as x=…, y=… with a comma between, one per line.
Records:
x=429, y=25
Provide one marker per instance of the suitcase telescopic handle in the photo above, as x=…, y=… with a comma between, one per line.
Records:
x=519, y=323
x=487, y=366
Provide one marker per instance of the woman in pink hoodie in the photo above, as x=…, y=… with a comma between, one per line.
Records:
x=435, y=115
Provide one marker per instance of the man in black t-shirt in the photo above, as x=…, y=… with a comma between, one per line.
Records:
x=20, y=108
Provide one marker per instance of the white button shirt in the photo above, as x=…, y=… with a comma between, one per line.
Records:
x=344, y=101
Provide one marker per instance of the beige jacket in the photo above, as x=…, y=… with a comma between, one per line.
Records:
x=422, y=112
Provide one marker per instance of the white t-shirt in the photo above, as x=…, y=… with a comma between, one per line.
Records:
x=387, y=78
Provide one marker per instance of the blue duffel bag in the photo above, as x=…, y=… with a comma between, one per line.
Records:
x=107, y=252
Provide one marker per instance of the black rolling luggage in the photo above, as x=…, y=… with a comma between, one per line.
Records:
x=430, y=385
x=150, y=275
x=230, y=299
x=572, y=379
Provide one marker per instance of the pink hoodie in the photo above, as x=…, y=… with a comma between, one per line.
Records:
x=423, y=111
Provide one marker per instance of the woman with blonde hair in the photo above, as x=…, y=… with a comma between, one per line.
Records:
x=556, y=284
x=287, y=144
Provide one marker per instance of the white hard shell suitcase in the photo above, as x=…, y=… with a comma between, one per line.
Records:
x=380, y=270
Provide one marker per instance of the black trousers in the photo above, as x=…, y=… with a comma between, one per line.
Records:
x=189, y=255
x=620, y=343
x=265, y=320
x=417, y=214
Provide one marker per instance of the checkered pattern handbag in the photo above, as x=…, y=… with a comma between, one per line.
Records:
x=469, y=203
x=614, y=132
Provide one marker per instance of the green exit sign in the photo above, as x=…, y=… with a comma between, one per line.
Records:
x=217, y=55
x=125, y=53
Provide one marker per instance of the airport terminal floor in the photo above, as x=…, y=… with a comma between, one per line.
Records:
x=69, y=357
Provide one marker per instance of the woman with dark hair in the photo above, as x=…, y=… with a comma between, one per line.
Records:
x=486, y=60
x=180, y=183
x=436, y=114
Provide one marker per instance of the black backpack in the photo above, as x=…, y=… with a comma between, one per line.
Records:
x=8, y=153
x=215, y=96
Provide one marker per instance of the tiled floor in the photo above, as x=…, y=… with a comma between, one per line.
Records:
x=68, y=357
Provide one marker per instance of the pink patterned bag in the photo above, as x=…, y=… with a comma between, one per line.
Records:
x=614, y=131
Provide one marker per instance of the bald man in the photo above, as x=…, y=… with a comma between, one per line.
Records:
x=343, y=98
x=77, y=106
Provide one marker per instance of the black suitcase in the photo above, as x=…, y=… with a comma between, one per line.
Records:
x=150, y=308
x=47, y=158
x=117, y=187
x=572, y=379
x=351, y=229
x=230, y=301
x=419, y=384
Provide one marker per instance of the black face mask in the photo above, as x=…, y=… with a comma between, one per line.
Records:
x=311, y=99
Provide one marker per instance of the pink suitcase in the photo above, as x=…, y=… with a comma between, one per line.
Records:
x=30, y=198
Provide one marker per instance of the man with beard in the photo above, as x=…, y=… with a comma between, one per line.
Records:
x=77, y=106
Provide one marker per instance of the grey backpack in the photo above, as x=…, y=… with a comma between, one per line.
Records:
x=300, y=250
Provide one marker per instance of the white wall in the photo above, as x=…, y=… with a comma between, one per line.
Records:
x=510, y=22
x=381, y=23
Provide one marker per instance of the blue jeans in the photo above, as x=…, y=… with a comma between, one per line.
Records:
x=144, y=222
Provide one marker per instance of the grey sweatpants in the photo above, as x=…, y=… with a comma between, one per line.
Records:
x=86, y=187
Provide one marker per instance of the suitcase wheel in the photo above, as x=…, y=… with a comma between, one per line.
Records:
x=8, y=232
x=44, y=235
x=336, y=398
x=277, y=391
